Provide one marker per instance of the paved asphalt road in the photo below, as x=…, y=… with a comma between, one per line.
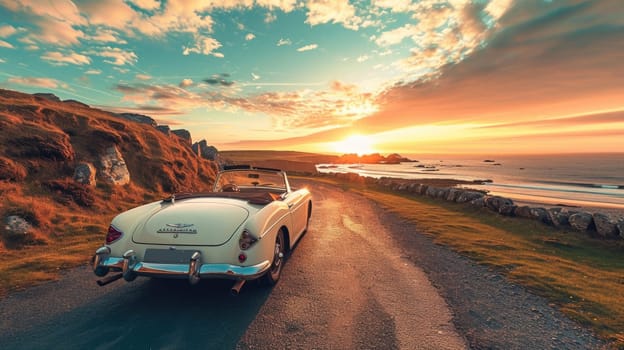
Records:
x=346, y=286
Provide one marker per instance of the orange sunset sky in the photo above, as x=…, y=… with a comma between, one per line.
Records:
x=429, y=76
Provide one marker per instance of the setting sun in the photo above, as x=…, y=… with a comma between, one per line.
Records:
x=355, y=144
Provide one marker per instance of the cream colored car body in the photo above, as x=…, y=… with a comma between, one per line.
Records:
x=198, y=236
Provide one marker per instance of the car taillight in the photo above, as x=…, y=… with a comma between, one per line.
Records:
x=113, y=234
x=246, y=240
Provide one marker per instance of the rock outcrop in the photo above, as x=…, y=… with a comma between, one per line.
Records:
x=139, y=118
x=183, y=134
x=165, y=129
x=47, y=96
x=85, y=174
x=16, y=226
x=113, y=167
x=203, y=150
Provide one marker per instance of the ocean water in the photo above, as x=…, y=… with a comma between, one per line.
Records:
x=585, y=180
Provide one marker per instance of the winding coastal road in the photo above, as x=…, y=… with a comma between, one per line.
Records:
x=351, y=283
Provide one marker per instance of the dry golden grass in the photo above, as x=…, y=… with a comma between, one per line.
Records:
x=41, y=143
x=582, y=276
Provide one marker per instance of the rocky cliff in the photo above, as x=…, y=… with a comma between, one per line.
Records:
x=64, y=156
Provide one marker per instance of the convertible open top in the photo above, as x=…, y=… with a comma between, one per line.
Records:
x=261, y=198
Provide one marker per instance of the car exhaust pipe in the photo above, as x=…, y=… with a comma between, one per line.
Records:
x=109, y=279
x=235, y=290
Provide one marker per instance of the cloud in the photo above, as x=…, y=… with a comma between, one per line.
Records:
x=283, y=42
x=394, y=5
x=219, y=79
x=147, y=4
x=6, y=44
x=395, y=36
x=362, y=58
x=339, y=11
x=2, y=60
x=93, y=71
x=308, y=48
x=7, y=30
x=38, y=82
x=186, y=83
x=205, y=46
x=284, y=5
x=106, y=36
x=250, y=37
x=61, y=59
x=143, y=77
x=255, y=76
x=338, y=105
x=115, y=55
x=270, y=18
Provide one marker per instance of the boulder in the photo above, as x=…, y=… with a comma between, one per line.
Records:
x=422, y=190
x=453, y=194
x=113, y=167
x=85, y=174
x=478, y=202
x=507, y=210
x=540, y=214
x=605, y=226
x=523, y=211
x=559, y=217
x=467, y=196
x=202, y=149
x=403, y=187
x=581, y=221
x=183, y=134
x=496, y=202
x=442, y=193
x=431, y=191
x=16, y=228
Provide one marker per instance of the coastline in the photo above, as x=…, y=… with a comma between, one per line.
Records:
x=307, y=164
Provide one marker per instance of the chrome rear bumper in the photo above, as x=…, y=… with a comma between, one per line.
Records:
x=194, y=270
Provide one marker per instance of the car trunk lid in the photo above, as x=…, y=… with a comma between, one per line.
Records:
x=192, y=222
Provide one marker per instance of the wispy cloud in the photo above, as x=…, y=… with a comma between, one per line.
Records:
x=250, y=36
x=38, y=82
x=6, y=44
x=143, y=77
x=308, y=48
x=93, y=71
x=60, y=59
x=283, y=42
x=6, y=31
x=115, y=55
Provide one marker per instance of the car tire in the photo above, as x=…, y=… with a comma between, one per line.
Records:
x=271, y=277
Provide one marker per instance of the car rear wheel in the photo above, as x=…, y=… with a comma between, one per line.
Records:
x=273, y=275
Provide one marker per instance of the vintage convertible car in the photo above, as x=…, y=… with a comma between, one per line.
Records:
x=240, y=231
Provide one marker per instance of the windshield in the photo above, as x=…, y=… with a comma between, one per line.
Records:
x=247, y=178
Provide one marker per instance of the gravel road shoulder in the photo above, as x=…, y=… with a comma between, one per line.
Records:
x=489, y=311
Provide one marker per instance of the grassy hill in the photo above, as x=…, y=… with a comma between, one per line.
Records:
x=42, y=141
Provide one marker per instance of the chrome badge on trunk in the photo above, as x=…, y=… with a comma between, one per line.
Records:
x=178, y=228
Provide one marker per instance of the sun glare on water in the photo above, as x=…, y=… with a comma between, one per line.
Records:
x=355, y=144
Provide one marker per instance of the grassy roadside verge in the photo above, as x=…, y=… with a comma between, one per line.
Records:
x=582, y=276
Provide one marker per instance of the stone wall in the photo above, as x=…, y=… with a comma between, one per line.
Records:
x=595, y=224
